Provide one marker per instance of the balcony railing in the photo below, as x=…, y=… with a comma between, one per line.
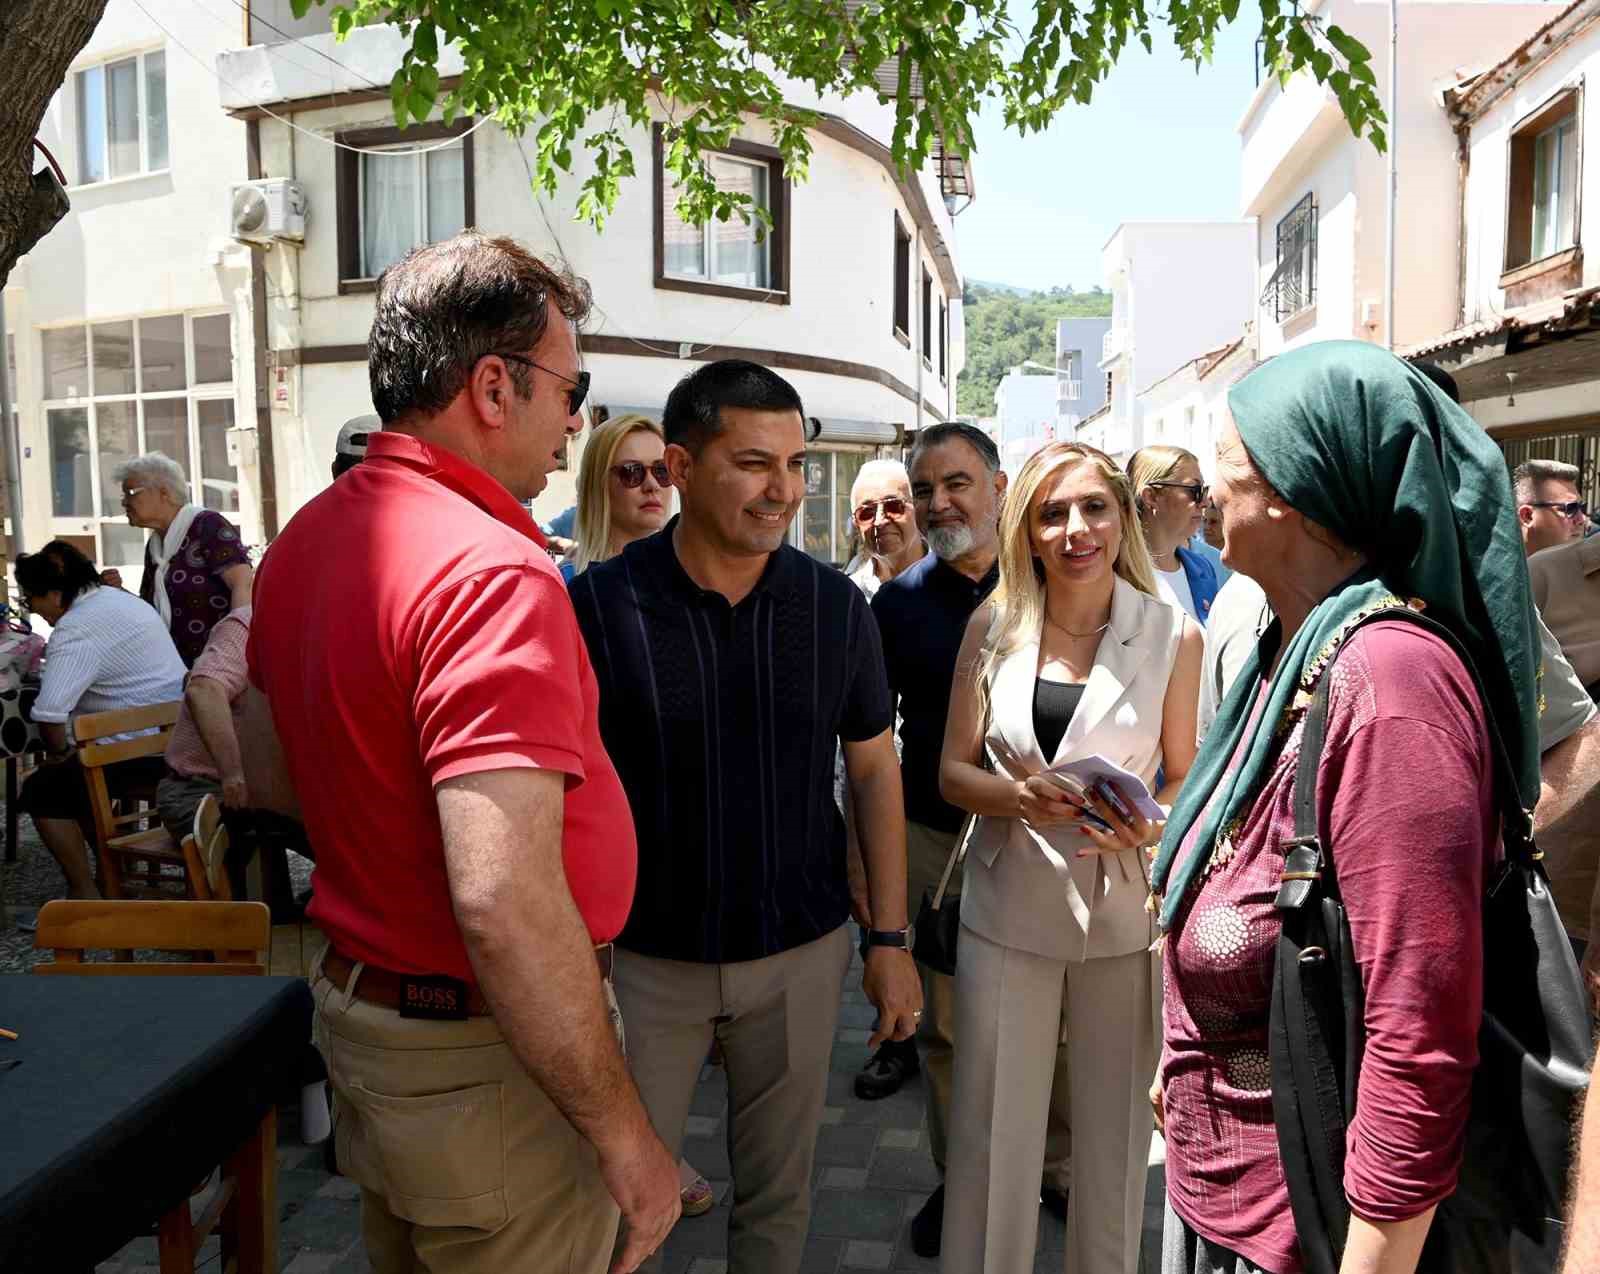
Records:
x=1068, y=391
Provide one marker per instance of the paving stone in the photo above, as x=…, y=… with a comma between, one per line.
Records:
x=832, y=1115
x=701, y=1126
x=845, y=1145
x=709, y=1155
x=903, y=1170
x=856, y=1214
x=899, y=1139
x=706, y=1265
x=854, y=1035
x=312, y=1263
x=844, y=1178
x=709, y=1101
x=857, y=1017
x=866, y=1254
x=906, y=1109
x=323, y=1225
x=339, y=1188
x=821, y=1256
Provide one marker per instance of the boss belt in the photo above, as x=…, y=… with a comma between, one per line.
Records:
x=423, y=995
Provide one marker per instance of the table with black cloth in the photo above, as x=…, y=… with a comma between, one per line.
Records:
x=130, y=1091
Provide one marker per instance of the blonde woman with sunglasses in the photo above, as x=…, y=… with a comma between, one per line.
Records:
x=624, y=493
x=1171, y=495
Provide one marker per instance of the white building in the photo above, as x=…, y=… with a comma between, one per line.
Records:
x=130, y=322
x=1319, y=194
x=1177, y=288
x=855, y=296
x=140, y=322
x=1522, y=336
x=1188, y=407
x=1025, y=411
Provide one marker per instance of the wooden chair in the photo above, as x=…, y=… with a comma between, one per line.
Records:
x=243, y=1211
x=205, y=852
x=134, y=835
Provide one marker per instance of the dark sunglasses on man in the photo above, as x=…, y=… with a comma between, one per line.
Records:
x=893, y=507
x=1195, y=490
x=1568, y=509
x=631, y=473
x=575, y=395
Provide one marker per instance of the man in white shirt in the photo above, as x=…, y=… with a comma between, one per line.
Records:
x=107, y=650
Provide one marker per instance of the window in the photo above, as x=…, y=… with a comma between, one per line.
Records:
x=114, y=390
x=944, y=336
x=825, y=526
x=418, y=190
x=927, y=318
x=122, y=117
x=735, y=258
x=1293, y=286
x=1542, y=209
x=902, y=281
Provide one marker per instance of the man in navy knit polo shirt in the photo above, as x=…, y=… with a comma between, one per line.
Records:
x=731, y=666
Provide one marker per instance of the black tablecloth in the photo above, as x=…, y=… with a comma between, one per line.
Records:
x=130, y=1090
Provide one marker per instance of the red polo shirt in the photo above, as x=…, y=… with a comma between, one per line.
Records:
x=408, y=628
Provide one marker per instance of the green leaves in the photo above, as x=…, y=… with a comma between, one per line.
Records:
x=588, y=78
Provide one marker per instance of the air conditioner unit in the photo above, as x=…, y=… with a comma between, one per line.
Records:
x=267, y=209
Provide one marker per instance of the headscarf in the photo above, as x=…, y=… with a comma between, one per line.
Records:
x=1360, y=442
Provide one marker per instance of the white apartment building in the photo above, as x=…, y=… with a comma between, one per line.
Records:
x=1177, y=288
x=1188, y=407
x=1025, y=413
x=129, y=323
x=1318, y=194
x=855, y=296
x=1523, y=338
x=141, y=322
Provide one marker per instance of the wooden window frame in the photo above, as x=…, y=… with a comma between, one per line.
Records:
x=1518, y=262
x=927, y=319
x=779, y=192
x=900, y=311
x=347, y=178
x=944, y=341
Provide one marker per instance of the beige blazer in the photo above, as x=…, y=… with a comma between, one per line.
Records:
x=1027, y=889
x=1566, y=585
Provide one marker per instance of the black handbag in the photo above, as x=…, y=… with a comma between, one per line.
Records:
x=938, y=925
x=1534, y=1044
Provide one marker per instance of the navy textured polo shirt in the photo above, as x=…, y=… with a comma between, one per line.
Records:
x=723, y=722
x=922, y=616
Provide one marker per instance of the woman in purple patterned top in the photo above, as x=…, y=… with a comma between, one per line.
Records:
x=196, y=568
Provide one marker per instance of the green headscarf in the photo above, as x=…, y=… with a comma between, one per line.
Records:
x=1360, y=442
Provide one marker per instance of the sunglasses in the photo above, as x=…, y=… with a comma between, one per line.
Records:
x=893, y=507
x=1196, y=490
x=1566, y=508
x=575, y=395
x=631, y=473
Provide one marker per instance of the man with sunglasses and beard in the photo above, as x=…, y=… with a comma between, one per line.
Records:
x=731, y=667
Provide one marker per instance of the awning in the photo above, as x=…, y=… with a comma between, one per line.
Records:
x=835, y=429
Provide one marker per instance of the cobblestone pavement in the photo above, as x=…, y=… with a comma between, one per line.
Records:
x=872, y=1166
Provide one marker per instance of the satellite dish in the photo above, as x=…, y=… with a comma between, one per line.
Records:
x=249, y=210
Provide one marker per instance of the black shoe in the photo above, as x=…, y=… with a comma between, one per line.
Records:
x=927, y=1227
x=1054, y=1202
x=888, y=1068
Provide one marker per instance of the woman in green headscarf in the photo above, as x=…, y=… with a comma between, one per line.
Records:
x=1346, y=483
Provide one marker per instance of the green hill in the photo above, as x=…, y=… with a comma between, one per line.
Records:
x=1005, y=327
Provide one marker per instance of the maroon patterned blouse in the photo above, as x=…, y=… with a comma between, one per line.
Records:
x=1404, y=793
x=200, y=597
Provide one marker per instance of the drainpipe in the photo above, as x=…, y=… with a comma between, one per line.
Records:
x=1394, y=172
x=258, y=322
x=13, y=443
x=1463, y=172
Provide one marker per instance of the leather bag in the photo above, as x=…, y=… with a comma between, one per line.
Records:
x=1534, y=1043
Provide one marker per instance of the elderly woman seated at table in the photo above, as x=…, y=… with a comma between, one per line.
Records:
x=107, y=650
x=195, y=566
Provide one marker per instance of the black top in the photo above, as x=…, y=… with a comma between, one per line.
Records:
x=723, y=723
x=922, y=615
x=1054, y=702
x=130, y=1090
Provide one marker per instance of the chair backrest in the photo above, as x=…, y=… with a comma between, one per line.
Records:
x=98, y=747
x=239, y=933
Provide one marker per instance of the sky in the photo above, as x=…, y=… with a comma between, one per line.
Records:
x=1157, y=143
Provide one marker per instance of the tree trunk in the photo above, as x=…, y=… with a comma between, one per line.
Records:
x=38, y=40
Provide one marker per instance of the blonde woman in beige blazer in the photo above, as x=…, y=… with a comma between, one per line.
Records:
x=1055, y=936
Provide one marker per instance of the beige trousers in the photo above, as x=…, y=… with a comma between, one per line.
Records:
x=1009, y=1010
x=465, y=1166
x=927, y=851
x=775, y=1019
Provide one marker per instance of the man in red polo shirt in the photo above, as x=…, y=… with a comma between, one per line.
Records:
x=435, y=714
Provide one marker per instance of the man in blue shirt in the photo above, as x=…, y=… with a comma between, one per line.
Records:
x=957, y=487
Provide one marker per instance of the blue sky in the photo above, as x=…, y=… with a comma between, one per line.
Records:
x=1157, y=143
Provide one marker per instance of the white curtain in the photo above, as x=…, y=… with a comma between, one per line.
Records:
x=389, y=210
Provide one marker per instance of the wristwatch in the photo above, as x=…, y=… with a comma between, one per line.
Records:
x=900, y=939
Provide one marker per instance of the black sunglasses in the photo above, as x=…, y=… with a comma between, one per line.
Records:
x=1566, y=508
x=631, y=473
x=575, y=395
x=1197, y=490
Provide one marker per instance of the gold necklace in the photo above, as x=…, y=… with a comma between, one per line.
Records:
x=1061, y=628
